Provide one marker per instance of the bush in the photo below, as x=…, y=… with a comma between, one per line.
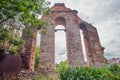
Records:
x=115, y=70
x=111, y=72
x=62, y=66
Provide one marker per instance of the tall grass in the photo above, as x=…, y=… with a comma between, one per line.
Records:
x=111, y=72
x=62, y=66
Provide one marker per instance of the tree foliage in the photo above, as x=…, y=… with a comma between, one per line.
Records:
x=10, y=39
x=26, y=11
x=22, y=12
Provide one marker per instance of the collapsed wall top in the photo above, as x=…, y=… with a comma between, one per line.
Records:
x=61, y=7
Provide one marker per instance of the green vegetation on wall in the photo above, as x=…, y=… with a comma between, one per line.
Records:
x=37, y=57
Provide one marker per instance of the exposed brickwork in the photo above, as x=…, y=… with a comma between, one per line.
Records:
x=60, y=15
x=47, y=47
x=93, y=47
x=27, y=52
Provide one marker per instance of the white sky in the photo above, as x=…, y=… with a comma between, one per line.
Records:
x=105, y=16
x=60, y=45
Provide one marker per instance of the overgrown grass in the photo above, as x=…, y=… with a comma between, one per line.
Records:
x=111, y=72
x=62, y=66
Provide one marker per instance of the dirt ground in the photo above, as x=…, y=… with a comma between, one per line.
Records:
x=27, y=75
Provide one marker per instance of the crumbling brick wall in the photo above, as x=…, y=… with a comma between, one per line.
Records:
x=93, y=47
x=28, y=51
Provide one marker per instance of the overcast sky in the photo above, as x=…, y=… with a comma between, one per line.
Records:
x=104, y=15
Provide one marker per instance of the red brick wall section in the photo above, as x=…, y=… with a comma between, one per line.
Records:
x=27, y=52
x=93, y=46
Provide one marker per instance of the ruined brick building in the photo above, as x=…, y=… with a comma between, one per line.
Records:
x=61, y=15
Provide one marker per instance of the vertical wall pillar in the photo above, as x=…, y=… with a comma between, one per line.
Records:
x=87, y=48
x=33, y=52
x=47, y=53
x=74, y=45
x=27, y=52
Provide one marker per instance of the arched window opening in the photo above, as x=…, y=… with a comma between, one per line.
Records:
x=60, y=44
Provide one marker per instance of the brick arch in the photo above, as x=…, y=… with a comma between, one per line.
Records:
x=60, y=21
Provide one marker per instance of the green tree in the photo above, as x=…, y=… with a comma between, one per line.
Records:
x=26, y=11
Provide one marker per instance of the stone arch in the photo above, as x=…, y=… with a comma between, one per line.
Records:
x=60, y=21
